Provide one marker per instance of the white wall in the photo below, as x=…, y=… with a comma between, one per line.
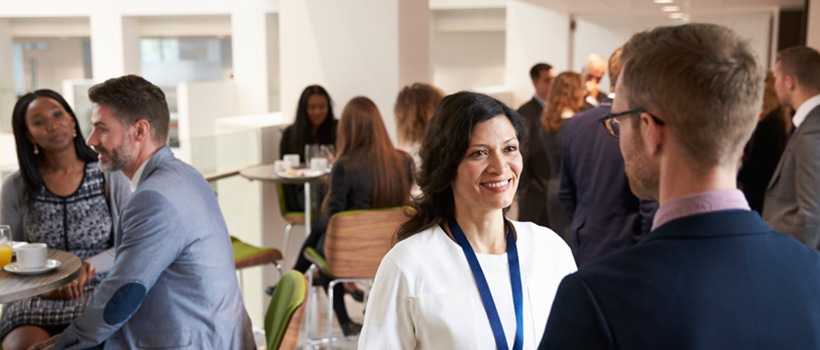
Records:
x=63, y=61
x=595, y=34
x=813, y=37
x=753, y=26
x=467, y=60
x=534, y=34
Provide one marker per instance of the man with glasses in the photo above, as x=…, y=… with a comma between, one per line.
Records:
x=711, y=274
x=605, y=215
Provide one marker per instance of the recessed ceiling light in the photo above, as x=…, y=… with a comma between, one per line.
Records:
x=664, y=1
x=676, y=15
x=670, y=8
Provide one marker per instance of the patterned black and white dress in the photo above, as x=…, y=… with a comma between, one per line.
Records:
x=79, y=223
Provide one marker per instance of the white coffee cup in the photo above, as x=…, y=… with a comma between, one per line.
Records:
x=318, y=164
x=293, y=159
x=281, y=166
x=32, y=256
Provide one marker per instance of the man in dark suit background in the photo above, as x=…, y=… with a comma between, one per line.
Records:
x=605, y=216
x=711, y=274
x=532, y=189
x=792, y=200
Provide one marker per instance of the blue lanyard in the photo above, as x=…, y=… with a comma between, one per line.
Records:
x=484, y=289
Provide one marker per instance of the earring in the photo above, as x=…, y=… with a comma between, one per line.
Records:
x=36, y=150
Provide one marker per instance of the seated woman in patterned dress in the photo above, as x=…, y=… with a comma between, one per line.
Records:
x=59, y=197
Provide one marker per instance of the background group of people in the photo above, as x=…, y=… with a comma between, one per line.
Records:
x=632, y=231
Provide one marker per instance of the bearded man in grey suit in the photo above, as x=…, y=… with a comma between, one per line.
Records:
x=173, y=283
x=792, y=201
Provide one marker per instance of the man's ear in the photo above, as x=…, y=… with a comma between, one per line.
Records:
x=652, y=133
x=789, y=82
x=142, y=130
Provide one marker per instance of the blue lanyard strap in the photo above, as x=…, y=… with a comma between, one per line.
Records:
x=484, y=288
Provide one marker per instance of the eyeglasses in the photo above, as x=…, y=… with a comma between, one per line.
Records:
x=613, y=126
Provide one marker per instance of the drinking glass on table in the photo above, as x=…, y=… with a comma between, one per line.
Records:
x=329, y=152
x=311, y=151
x=5, y=245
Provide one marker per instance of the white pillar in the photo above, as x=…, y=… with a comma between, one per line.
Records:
x=7, y=94
x=250, y=60
x=534, y=34
x=115, y=47
x=813, y=29
x=353, y=48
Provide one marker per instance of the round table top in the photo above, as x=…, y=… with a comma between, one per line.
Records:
x=266, y=172
x=15, y=287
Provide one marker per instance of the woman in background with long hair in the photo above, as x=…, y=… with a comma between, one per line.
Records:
x=369, y=173
x=314, y=124
x=564, y=101
x=762, y=152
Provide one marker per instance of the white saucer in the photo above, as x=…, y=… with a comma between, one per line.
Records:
x=301, y=174
x=50, y=265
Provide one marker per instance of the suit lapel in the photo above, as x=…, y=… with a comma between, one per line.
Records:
x=814, y=114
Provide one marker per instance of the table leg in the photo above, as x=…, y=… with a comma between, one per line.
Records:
x=308, y=209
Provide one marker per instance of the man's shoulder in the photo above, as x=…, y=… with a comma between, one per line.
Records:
x=530, y=110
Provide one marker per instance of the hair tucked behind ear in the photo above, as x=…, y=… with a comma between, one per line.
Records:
x=445, y=142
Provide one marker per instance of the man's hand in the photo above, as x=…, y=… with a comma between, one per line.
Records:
x=74, y=289
x=46, y=344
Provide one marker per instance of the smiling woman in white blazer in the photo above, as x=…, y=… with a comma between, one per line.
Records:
x=462, y=276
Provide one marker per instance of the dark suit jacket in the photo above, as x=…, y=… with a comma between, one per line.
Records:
x=532, y=189
x=601, y=98
x=605, y=216
x=722, y=280
x=760, y=157
x=792, y=201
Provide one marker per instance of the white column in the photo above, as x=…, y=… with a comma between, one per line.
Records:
x=813, y=30
x=7, y=94
x=250, y=60
x=534, y=34
x=353, y=48
x=115, y=47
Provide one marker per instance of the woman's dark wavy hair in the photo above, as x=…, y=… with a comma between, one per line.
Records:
x=326, y=133
x=442, y=150
x=28, y=161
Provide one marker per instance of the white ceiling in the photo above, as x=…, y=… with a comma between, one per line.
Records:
x=647, y=8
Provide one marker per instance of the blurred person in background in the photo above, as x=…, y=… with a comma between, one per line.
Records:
x=532, y=192
x=762, y=152
x=565, y=100
x=414, y=107
x=593, y=72
x=314, y=124
x=792, y=201
x=369, y=173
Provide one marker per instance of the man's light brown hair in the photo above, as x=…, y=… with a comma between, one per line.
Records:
x=701, y=79
x=803, y=63
x=615, y=67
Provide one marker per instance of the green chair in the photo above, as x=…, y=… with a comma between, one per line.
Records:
x=287, y=307
x=246, y=255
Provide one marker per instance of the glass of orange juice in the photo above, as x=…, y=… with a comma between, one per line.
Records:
x=5, y=245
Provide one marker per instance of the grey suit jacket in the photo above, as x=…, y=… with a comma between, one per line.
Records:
x=792, y=201
x=173, y=284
